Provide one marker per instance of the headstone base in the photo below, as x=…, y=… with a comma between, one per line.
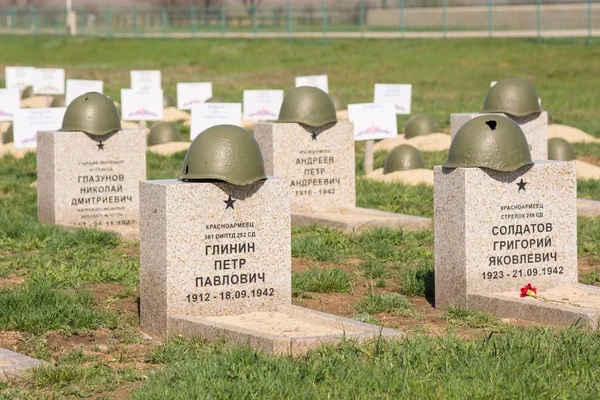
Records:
x=167, y=149
x=18, y=153
x=14, y=364
x=577, y=312
x=588, y=208
x=355, y=220
x=288, y=330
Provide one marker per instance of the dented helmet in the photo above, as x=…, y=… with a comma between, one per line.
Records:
x=163, y=132
x=561, y=150
x=58, y=101
x=92, y=113
x=226, y=153
x=489, y=141
x=419, y=125
x=168, y=101
x=514, y=96
x=8, y=136
x=403, y=158
x=309, y=106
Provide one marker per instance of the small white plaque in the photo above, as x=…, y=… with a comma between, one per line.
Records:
x=191, y=93
x=10, y=103
x=262, y=104
x=146, y=80
x=373, y=121
x=19, y=77
x=399, y=95
x=206, y=115
x=319, y=81
x=493, y=83
x=49, y=81
x=77, y=87
x=31, y=120
x=141, y=105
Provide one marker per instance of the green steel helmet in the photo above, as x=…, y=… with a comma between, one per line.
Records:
x=338, y=102
x=163, y=132
x=92, y=113
x=419, y=125
x=561, y=150
x=309, y=106
x=58, y=101
x=215, y=100
x=513, y=96
x=403, y=158
x=168, y=101
x=27, y=92
x=226, y=153
x=489, y=141
x=8, y=136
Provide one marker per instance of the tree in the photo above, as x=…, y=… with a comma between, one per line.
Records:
x=251, y=5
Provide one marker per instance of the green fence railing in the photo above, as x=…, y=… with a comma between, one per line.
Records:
x=355, y=19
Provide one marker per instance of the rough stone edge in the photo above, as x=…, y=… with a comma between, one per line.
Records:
x=548, y=313
x=21, y=363
x=395, y=221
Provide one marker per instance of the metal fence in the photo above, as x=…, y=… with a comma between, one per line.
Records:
x=398, y=19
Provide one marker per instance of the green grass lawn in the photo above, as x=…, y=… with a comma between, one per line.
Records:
x=70, y=297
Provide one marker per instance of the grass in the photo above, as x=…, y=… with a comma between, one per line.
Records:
x=55, y=269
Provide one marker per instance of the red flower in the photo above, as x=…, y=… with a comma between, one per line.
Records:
x=528, y=290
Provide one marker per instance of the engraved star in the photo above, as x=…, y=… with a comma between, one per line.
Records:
x=100, y=146
x=521, y=185
x=229, y=203
x=314, y=136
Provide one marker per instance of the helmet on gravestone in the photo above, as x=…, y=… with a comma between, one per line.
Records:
x=58, y=101
x=92, y=113
x=338, y=102
x=168, y=101
x=489, y=141
x=226, y=153
x=419, y=125
x=309, y=106
x=163, y=132
x=561, y=150
x=27, y=92
x=403, y=158
x=8, y=136
x=513, y=96
x=214, y=100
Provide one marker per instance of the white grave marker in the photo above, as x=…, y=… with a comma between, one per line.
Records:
x=10, y=103
x=192, y=93
x=262, y=104
x=319, y=81
x=49, y=81
x=77, y=87
x=141, y=105
x=400, y=95
x=207, y=115
x=373, y=121
x=146, y=80
x=19, y=77
x=31, y=120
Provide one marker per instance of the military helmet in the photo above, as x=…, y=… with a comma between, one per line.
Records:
x=226, y=153
x=514, y=96
x=27, y=92
x=168, y=101
x=163, y=132
x=214, y=100
x=92, y=113
x=309, y=106
x=561, y=150
x=403, y=158
x=489, y=141
x=338, y=102
x=8, y=136
x=419, y=125
x=58, y=101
